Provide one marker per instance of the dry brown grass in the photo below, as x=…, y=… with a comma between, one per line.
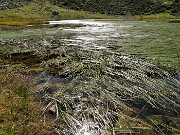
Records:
x=19, y=112
x=19, y=23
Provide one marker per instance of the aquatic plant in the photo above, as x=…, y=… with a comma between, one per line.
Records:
x=110, y=88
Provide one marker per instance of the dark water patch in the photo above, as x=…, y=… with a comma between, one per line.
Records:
x=55, y=79
x=177, y=76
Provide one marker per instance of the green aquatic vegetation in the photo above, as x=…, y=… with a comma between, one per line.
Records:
x=156, y=41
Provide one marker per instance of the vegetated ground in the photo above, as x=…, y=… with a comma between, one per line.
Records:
x=98, y=91
x=25, y=12
x=20, y=112
x=161, y=17
x=36, y=12
x=123, y=7
x=111, y=7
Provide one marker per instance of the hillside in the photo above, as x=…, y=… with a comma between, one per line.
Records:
x=17, y=12
x=123, y=7
x=10, y=4
x=112, y=7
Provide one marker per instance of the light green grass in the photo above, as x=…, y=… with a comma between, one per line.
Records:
x=157, y=41
x=156, y=17
x=34, y=12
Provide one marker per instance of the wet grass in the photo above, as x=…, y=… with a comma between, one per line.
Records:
x=103, y=99
x=95, y=92
x=98, y=92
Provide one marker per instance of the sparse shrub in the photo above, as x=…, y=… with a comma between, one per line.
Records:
x=55, y=13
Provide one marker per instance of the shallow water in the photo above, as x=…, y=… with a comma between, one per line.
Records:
x=94, y=35
x=88, y=73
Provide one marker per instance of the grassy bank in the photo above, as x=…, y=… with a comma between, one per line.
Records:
x=157, y=17
x=35, y=13
x=19, y=112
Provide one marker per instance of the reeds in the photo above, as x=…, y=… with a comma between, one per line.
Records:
x=122, y=94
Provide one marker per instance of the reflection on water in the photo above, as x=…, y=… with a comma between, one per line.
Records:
x=84, y=22
x=94, y=35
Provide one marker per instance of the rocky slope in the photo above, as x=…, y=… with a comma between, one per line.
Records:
x=9, y=4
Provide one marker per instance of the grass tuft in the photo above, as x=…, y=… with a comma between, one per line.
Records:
x=19, y=112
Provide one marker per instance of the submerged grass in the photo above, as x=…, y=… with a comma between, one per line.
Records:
x=119, y=95
x=107, y=93
x=156, y=41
